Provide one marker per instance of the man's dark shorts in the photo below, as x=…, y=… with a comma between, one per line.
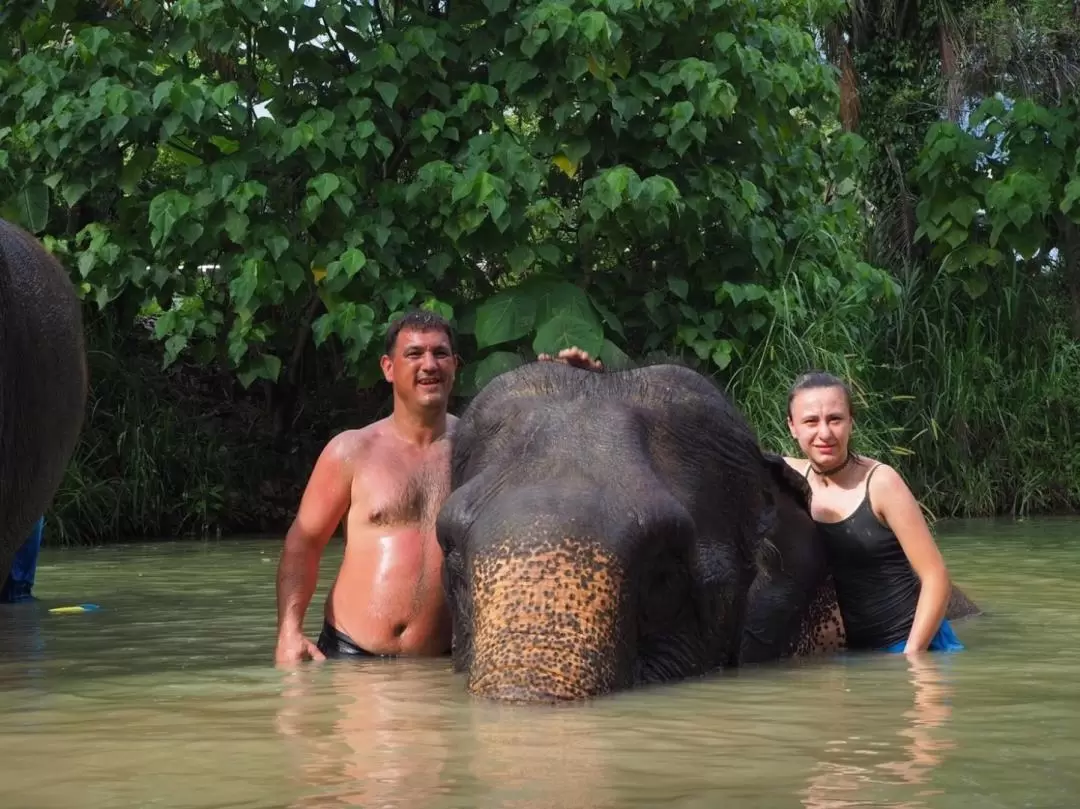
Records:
x=334, y=643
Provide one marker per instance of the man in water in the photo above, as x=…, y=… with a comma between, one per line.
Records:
x=387, y=481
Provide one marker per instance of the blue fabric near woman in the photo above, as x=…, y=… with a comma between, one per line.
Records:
x=20, y=581
x=944, y=641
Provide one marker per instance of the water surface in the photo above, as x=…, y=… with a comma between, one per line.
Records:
x=167, y=698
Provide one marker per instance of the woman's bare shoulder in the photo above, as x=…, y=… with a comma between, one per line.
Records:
x=873, y=468
x=798, y=464
x=883, y=477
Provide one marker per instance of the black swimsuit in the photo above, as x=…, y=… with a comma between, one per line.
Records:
x=335, y=643
x=876, y=587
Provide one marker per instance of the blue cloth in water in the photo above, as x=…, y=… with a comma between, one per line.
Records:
x=20, y=580
x=944, y=641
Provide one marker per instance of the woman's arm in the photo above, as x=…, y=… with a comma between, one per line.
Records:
x=896, y=506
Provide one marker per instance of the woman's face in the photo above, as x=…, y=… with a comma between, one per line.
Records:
x=820, y=420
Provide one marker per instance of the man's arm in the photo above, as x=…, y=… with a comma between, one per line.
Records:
x=325, y=501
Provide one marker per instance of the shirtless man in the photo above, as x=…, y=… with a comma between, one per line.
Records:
x=387, y=481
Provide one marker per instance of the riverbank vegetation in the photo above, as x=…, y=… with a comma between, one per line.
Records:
x=246, y=192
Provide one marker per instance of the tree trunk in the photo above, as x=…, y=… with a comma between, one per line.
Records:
x=286, y=392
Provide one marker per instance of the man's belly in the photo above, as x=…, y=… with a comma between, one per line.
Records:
x=388, y=596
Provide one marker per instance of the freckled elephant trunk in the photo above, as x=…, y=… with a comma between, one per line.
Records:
x=547, y=624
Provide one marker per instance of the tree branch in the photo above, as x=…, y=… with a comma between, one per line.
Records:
x=333, y=40
x=377, y=5
x=254, y=78
x=292, y=370
x=396, y=159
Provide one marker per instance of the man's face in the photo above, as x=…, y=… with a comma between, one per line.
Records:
x=421, y=367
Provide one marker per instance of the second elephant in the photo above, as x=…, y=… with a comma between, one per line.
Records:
x=43, y=380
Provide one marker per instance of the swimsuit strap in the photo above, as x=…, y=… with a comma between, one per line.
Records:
x=870, y=474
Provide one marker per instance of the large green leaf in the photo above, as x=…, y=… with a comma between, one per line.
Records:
x=473, y=378
x=507, y=316
x=613, y=357
x=33, y=202
x=565, y=331
x=554, y=298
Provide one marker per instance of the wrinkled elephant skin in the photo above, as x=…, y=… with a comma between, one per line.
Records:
x=603, y=531
x=43, y=381
x=608, y=530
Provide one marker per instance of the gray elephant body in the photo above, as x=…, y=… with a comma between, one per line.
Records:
x=606, y=530
x=43, y=383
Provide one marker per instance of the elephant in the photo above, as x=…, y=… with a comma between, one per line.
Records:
x=43, y=383
x=606, y=530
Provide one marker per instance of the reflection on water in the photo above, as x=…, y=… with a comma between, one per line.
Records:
x=367, y=733
x=166, y=698
x=853, y=765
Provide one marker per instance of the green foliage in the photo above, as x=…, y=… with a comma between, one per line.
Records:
x=1022, y=48
x=266, y=184
x=250, y=173
x=1007, y=192
x=972, y=400
x=185, y=450
x=899, y=98
x=994, y=389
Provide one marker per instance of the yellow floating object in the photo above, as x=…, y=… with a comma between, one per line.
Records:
x=78, y=608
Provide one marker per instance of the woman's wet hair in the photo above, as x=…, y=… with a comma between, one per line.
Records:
x=813, y=380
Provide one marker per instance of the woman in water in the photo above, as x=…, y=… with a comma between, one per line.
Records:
x=891, y=582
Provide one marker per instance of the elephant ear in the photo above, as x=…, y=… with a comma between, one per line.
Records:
x=782, y=481
x=783, y=605
x=769, y=555
x=788, y=479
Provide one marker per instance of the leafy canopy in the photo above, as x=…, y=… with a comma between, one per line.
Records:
x=623, y=175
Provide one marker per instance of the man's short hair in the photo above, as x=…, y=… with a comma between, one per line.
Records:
x=418, y=320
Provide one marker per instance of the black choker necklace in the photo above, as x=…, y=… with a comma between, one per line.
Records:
x=836, y=469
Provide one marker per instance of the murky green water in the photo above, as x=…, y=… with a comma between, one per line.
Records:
x=167, y=698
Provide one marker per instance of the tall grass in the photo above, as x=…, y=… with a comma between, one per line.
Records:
x=143, y=467
x=996, y=387
x=973, y=401
x=184, y=451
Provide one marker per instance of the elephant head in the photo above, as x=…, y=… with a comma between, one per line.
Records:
x=603, y=530
x=43, y=383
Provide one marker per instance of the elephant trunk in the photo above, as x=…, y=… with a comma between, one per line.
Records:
x=547, y=625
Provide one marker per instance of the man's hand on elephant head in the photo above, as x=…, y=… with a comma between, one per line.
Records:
x=574, y=356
